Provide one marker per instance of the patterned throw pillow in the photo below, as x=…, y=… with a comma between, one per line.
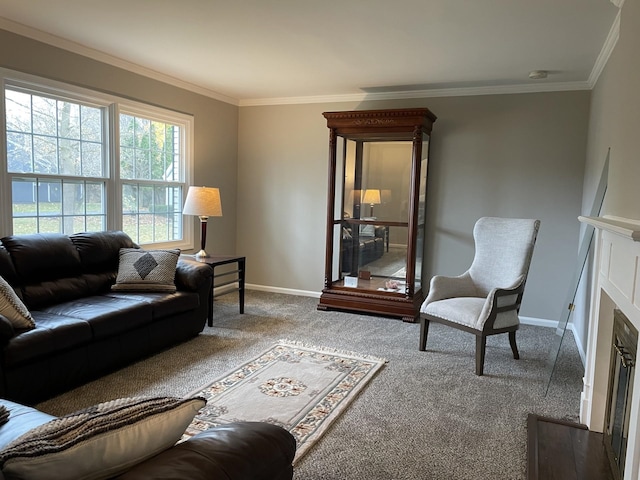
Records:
x=101, y=441
x=146, y=270
x=12, y=308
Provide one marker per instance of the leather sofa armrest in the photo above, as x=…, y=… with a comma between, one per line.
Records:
x=7, y=331
x=243, y=450
x=191, y=274
x=22, y=418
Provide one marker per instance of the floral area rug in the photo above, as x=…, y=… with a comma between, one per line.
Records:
x=301, y=388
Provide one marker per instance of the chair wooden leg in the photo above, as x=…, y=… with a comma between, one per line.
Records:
x=514, y=347
x=424, y=331
x=481, y=344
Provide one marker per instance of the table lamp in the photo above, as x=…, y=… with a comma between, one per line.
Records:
x=372, y=197
x=203, y=202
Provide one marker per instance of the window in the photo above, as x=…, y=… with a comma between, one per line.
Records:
x=84, y=161
x=56, y=163
x=151, y=161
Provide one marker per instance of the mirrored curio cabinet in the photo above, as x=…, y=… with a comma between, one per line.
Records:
x=376, y=211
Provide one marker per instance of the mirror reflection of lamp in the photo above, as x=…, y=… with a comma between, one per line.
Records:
x=372, y=197
x=203, y=202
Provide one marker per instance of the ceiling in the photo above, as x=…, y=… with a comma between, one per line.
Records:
x=282, y=51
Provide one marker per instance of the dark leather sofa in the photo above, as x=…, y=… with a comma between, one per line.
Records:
x=367, y=246
x=237, y=451
x=83, y=329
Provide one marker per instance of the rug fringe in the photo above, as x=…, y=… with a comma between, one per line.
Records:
x=337, y=351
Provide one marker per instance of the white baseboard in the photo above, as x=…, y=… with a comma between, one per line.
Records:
x=583, y=354
x=538, y=322
x=286, y=291
x=225, y=289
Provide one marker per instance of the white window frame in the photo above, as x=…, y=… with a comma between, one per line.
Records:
x=112, y=107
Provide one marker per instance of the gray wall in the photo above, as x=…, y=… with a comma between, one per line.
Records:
x=502, y=155
x=282, y=192
x=614, y=123
x=216, y=123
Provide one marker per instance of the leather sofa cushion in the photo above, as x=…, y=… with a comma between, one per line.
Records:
x=163, y=304
x=98, y=282
x=48, y=268
x=107, y=316
x=82, y=321
x=40, y=257
x=99, y=251
x=53, y=333
x=39, y=295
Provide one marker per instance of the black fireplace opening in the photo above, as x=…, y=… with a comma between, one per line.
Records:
x=623, y=360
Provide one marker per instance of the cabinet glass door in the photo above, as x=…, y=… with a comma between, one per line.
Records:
x=376, y=186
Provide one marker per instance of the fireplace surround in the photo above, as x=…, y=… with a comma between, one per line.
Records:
x=615, y=286
x=621, y=372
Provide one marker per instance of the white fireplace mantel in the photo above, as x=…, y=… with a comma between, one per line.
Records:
x=615, y=285
x=621, y=226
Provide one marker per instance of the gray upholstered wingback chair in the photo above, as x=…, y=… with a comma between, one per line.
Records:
x=485, y=300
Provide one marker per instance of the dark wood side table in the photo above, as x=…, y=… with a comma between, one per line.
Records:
x=238, y=277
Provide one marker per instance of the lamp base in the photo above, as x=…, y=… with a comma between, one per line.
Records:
x=203, y=237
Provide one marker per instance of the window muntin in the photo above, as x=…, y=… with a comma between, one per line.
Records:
x=151, y=213
x=53, y=136
x=50, y=205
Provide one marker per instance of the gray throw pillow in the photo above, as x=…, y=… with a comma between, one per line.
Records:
x=146, y=270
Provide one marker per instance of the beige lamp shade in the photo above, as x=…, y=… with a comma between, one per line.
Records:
x=371, y=196
x=203, y=202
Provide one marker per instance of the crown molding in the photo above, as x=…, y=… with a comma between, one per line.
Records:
x=607, y=48
x=59, y=42
x=440, y=92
